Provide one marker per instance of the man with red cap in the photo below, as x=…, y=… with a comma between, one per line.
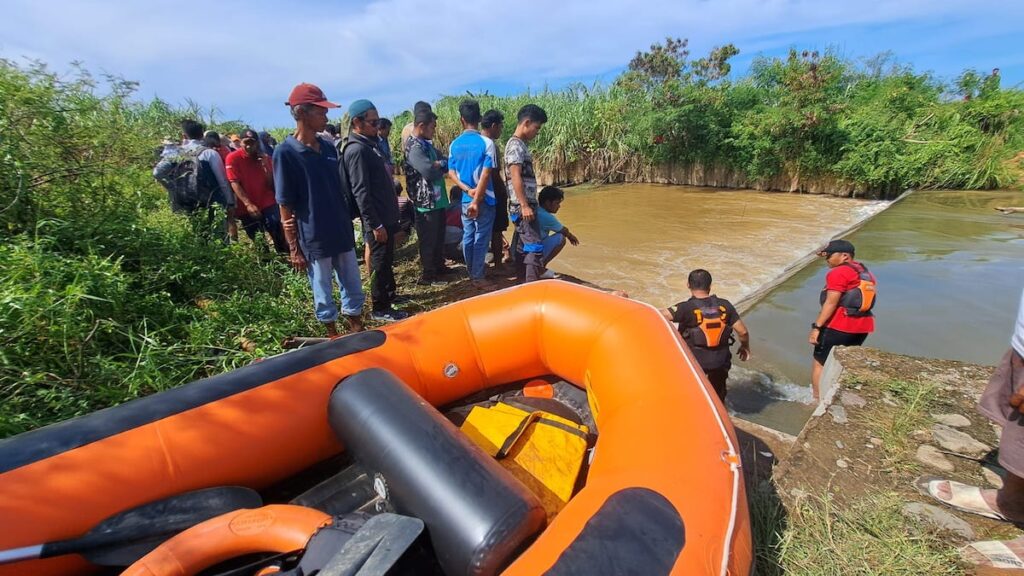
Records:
x=316, y=218
x=845, y=318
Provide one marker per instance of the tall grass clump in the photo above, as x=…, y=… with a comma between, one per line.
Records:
x=868, y=537
x=878, y=124
x=106, y=295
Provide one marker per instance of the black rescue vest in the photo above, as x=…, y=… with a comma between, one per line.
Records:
x=712, y=329
x=857, y=301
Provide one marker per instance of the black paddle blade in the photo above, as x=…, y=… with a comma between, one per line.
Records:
x=125, y=537
x=376, y=547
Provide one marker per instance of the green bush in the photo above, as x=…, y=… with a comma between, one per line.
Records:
x=106, y=295
x=880, y=125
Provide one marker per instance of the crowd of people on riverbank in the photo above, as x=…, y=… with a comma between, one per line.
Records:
x=305, y=193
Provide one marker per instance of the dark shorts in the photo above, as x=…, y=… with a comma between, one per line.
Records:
x=829, y=338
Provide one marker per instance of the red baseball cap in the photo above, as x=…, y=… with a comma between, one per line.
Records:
x=309, y=94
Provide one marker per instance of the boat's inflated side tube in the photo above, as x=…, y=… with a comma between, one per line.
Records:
x=477, y=514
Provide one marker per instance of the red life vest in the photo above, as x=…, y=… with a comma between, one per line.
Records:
x=859, y=300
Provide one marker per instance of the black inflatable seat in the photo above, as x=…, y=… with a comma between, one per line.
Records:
x=477, y=515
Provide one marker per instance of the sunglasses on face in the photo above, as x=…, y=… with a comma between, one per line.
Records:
x=375, y=122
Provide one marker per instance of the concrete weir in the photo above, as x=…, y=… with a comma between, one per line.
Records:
x=757, y=295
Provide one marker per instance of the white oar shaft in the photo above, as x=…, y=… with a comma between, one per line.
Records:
x=19, y=554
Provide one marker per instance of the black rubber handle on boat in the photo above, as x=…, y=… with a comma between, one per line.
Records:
x=127, y=536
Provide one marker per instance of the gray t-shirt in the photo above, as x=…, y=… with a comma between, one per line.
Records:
x=516, y=152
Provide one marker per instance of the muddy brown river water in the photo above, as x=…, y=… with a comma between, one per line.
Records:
x=950, y=271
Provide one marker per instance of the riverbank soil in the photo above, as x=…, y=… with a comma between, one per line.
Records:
x=843, y=500
x=415, y=298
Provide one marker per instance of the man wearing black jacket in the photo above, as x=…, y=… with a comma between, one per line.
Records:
x=374, y=191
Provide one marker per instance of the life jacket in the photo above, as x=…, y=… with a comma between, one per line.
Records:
x=859, y=300
x=713, y=329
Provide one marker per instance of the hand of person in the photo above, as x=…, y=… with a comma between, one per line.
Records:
x=380, y=235
x=297, y=260
x=812, y=338
x=527, y=213
x=572, y=239
x=252, y=210
x=1017, y=401
x=472, y=210
x=743, y=353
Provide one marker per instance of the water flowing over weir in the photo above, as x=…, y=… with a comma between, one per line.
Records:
x=949, y=267
x=644, y=239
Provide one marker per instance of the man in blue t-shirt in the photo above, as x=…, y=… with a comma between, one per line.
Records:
x=317, y=224
x=470, y=161
x=553, y=234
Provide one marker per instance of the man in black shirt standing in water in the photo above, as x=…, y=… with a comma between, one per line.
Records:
x=707, y=323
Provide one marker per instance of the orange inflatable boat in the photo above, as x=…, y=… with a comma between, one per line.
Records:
x=661, y=493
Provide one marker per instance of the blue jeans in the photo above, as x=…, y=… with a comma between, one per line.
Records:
x=550, y=243
x=322, y=273
x=476, y=238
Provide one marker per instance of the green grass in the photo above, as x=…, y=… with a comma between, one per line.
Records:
x=913, y=402
x=869, y=537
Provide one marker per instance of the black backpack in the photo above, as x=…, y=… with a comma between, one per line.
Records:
x=346, y=185
x=190, y=181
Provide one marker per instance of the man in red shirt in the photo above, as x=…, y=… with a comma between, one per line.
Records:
x=846, y=301
x=251, y=174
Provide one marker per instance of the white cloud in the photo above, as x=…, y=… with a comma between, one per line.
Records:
x=245, y=56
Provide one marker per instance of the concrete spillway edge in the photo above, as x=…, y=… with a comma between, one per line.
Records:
x=748, y=301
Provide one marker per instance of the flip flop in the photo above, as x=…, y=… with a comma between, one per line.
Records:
x=996, y=552
x=964, y=498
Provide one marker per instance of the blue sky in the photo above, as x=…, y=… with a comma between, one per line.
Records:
x=244, y=57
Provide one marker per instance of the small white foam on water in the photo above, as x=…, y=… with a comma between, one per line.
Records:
x=767, y=385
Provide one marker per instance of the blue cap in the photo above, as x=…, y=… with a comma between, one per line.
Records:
x=360, y=107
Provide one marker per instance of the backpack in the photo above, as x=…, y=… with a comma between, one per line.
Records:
x=346, y=185
x=420, y=190
x=190, y=181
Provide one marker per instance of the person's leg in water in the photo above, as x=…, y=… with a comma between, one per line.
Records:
x=718, y=377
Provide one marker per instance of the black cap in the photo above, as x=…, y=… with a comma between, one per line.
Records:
x=424, y=117
x=842, y=246
x=420, y=106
